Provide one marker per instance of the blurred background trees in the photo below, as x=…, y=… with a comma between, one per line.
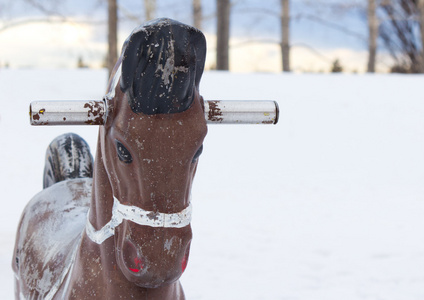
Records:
x=401, y=32
x=383, y=28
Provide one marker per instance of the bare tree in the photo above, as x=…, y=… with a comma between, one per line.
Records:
x=399, y=33
x=149, y=9
x=112, y=53
x=372, y=35
x=223, y=34
x=285, y=34
x=421, y=20
x=197, y=14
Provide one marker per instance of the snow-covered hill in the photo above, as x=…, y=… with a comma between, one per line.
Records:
x=326, y=205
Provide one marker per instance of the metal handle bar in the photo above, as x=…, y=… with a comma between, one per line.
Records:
x=95, y=112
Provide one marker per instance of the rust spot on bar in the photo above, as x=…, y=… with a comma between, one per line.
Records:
x=214, y=113
x=36, y=117
x=95, y=113
x=96, y=121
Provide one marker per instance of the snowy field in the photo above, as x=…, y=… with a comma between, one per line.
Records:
x=326, y=205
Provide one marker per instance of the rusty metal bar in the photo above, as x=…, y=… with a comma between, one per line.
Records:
x=241, y=112
x=95, y=112
x=67, y=112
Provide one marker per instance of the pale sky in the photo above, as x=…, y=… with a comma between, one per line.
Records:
x=254, y=31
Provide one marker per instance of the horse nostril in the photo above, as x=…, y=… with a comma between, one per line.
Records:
x=198, y=153
x=185, y=260
x=131, y=258
x=138, y=265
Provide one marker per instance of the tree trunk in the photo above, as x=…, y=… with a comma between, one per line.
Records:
x=197, y=14
x=285, y=35
x=150, y=9
x=112, y=35
x=372, y=35
x=421, y=20
x=223, y=35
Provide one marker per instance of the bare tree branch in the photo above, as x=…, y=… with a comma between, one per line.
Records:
x=399, y=34
x=263, y=10
x=129, y=15
x=333, y=25
x=313, y=50
x=43, y=8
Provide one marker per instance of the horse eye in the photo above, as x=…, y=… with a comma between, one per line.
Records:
x=196, y=156
x=123, y=153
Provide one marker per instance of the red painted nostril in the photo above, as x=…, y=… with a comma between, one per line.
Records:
x=138, y=262
x=132, y=260
x=138, y=265
x=185, y=260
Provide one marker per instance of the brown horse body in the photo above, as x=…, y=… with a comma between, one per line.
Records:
x=83, y=238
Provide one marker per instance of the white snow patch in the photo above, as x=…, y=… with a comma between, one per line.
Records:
x=328, y=204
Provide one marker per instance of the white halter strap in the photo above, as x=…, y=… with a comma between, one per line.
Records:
x=138, y=216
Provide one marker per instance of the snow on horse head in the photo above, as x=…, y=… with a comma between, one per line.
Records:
x=126, y=232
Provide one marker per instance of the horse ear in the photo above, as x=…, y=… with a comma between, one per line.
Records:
x=162, y=63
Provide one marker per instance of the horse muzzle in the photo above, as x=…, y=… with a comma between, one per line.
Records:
x=150, y=257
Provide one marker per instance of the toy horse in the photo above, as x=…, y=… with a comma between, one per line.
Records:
x=124, y=233
x=119, y=228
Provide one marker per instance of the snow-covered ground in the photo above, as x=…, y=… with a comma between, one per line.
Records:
x=326, y=205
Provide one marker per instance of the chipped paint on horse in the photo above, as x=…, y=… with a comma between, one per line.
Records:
x=147, y=154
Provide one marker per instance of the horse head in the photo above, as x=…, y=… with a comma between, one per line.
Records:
x=149, y=147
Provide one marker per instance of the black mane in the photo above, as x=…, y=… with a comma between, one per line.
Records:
x=162, y=63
